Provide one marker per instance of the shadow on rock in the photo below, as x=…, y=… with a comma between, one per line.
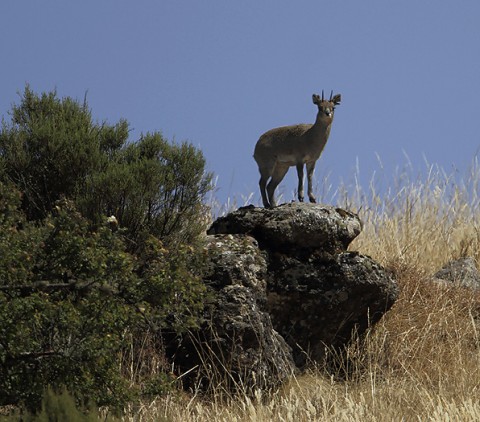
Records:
x=286, y=289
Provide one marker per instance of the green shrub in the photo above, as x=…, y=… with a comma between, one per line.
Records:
x=152, y=187
x=49, y=148
x=75, y=290
x=62, y=313
x=52, y=149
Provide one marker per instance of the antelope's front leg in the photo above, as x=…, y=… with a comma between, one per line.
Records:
x=300, y=181
x=310, y=170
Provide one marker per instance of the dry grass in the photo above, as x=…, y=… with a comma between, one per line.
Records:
x=422, y=360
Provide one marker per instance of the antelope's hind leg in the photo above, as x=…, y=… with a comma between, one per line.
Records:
x=265, y=174
x=279, y=173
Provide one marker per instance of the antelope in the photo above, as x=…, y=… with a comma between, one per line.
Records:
x=296, y=145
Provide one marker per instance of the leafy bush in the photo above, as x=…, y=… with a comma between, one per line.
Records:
x=62, y=311
x=152, y=187
x=52, y=149
x=75, y=290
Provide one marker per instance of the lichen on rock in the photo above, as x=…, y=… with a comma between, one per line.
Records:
x=285, y=289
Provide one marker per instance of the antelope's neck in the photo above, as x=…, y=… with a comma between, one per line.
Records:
x=321, y=130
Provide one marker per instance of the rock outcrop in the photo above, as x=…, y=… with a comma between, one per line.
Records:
x=237, y=346
x=293, y=228
x=286, y=289
x=461, y=271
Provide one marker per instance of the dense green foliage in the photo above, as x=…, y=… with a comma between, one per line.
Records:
x=152, y=187
x=52, y=149
x=59, y=324
x=74, y=289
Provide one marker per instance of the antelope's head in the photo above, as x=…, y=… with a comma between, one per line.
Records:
x=326, y=108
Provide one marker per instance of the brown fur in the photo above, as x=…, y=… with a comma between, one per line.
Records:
x=297, y=145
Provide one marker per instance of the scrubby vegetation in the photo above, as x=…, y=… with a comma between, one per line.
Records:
x=84, y=299
x=97, y=244
x=422, y=360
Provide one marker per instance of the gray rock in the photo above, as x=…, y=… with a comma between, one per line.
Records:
x=285, y=289
x=318, y=294
x=322, y=301
x=235, y=260
x=237, y=345
x=293, y=227
x=461, y=271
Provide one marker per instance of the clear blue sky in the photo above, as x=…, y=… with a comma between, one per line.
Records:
x=220, y=73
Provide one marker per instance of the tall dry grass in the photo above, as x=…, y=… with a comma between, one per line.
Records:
x=421, y=362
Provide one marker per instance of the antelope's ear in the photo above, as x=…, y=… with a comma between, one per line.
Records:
x=336, y=99
x=316, y=99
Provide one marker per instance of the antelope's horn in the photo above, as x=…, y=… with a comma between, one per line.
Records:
x=322, y=94
x=331, y=95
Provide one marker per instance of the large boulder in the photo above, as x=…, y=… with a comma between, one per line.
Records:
x=317, y=292
x=286, y=288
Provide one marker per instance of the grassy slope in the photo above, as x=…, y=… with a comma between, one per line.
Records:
x=422, y=361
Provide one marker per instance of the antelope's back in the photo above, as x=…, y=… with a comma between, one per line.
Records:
x=278, y=137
